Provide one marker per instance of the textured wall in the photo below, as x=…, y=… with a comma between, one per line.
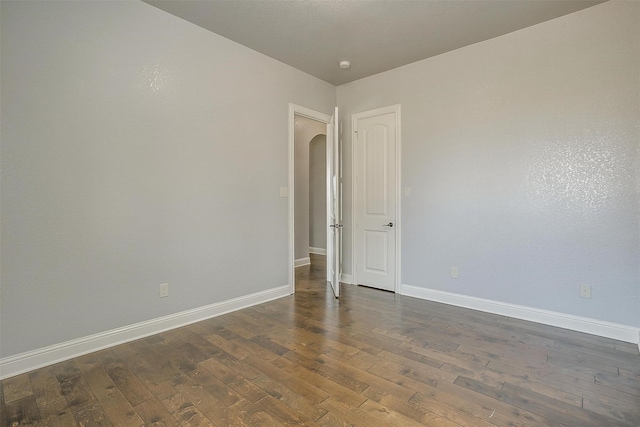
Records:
x=137, y=149
x=522, y=155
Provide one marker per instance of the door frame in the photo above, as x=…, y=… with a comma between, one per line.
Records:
x=313, y=115
x=354, y=199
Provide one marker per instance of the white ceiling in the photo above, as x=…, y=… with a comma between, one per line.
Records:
x=375, y=35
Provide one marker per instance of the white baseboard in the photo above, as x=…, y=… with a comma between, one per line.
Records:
x=346, y=278
x=317, y=251
x=301, y=261
x=552, y=318
x=28, y=361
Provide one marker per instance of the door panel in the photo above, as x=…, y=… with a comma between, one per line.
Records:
x=334, y=216
x=376, y=244
x=375, y=168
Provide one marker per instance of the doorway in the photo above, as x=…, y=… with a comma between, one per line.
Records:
x=309, y=189
x=299, y=253
x=318, y=195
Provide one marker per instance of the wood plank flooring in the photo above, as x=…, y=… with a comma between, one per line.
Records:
x=372, y=358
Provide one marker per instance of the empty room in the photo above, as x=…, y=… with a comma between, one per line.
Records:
x=464, y=249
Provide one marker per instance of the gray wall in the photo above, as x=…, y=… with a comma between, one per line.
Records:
x=137, y=149
x=522, y=155
x=318, y=192
x=304, y=131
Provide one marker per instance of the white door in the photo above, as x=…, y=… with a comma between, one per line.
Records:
x=376, y=205
x=334, y=208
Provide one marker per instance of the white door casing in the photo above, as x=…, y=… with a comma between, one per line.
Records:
x=334, y=208
x=314, y=115
x=376, y=201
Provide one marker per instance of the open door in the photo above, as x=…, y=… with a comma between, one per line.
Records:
x=334, y=205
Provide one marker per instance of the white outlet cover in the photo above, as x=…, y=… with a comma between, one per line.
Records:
x=164, y=290
x=284, y=192
x=585, y=291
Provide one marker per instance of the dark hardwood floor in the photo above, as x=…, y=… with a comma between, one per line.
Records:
x=372, y=358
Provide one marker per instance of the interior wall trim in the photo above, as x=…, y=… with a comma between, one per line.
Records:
x=552, y=318
x=346, y=278
x=28, y=361
x=317, y=251
x=302, y=261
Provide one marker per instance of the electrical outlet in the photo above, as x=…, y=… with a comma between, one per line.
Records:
x=284, y=192
x=454, y=272
x=407, y=192
x=164, y=290
x=585, y=291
